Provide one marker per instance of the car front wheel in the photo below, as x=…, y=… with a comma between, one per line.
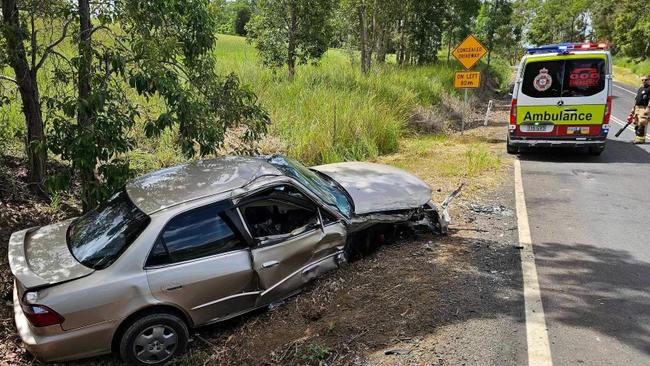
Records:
x=154, y=340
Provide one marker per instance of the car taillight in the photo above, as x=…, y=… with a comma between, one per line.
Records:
x=513, y=113
x=41, y=315
x=608, y=111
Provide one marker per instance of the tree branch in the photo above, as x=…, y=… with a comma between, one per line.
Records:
x=50, y=49
x=33, y=39
x=7, y=78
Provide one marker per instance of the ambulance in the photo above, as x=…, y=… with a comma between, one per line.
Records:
x=562, y=97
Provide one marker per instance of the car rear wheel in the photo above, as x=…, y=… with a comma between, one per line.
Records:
x=154, y=340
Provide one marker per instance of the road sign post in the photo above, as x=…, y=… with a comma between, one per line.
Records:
x=468, y=53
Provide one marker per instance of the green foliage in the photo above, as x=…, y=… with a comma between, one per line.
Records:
x=154, y=57
x=460, y=21
x=289, y=32
x=313, y=353
x=498, y=30
x=176, y=63
x=241, y=19
x=637, y=67
x=554, y=21
x=425, y=30
x=368, y=112
x=632, y=28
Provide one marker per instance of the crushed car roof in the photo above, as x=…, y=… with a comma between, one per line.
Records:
x=172, y=186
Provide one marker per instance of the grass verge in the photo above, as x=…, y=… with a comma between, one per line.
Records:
x=629, y=71
x=476, y=158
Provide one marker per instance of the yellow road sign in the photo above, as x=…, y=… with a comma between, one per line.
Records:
x=467, y=79
x=469, y=51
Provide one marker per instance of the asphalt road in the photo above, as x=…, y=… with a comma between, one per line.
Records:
x=590, y=226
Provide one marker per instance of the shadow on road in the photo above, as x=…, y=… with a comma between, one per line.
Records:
x=596, y=288
x=616, y=152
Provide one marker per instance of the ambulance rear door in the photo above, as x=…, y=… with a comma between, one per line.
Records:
x=563, y=96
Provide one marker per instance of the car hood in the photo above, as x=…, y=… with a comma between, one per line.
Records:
x=40, y=256
x=378, y=187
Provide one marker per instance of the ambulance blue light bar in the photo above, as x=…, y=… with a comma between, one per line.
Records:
x=568, y=47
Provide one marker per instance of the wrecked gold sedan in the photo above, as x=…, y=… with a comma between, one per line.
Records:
x=197, y=244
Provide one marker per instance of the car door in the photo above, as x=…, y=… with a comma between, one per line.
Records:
x=201, y=263
x=294, y=240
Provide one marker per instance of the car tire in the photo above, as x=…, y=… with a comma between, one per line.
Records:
x=596, y=150
x=154, y=339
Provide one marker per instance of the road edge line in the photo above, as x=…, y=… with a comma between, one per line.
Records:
x=539, y=350
x=624, y=89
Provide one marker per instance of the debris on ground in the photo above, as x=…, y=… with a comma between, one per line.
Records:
x=488, y=209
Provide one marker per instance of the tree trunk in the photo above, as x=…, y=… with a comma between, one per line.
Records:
x=363, y=20
x=380, y=56
x=85, y=114
x=28, y=87
x=291, y=49
x=449, y=42
x=400, y=49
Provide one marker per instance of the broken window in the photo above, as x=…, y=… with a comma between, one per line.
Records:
x=282, y=210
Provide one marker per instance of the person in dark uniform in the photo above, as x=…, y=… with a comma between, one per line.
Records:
x=640, y=111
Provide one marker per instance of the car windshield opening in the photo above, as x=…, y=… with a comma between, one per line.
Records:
x=100, y=236
x=327, y=190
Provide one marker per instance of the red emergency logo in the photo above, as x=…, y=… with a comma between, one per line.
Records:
x=543, y=80
x=584, y=77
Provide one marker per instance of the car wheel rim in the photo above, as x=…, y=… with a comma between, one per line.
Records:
x=155, y=344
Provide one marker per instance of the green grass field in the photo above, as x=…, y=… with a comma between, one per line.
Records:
x=331, y=111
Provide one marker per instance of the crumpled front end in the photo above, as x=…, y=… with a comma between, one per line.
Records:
x=426, y=217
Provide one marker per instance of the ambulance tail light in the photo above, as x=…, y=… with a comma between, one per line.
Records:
x=608, y=111
x=608, y=114
x=513, y=114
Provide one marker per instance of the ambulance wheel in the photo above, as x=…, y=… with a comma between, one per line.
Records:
x=512, y=149
x=596, y=150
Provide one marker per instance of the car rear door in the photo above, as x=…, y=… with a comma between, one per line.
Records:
x=202, y=264
x=563, y=96
x=294, y=240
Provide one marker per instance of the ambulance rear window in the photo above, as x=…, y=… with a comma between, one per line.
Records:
x=564, y=78
x=583, y=78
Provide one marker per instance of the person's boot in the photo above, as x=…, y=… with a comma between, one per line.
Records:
x=640, y=135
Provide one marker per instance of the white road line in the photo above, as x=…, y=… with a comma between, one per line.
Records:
x=617, y=120
x=539, y=351
x=622, y=88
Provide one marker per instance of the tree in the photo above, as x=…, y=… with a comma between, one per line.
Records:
x=26, y=56
x=460, y=21
x=554, y=21
x=425, y=29
x=632, y=29
x=158, y=50
x=495, y=26
x=603, y=15
x=289, y=32
x=241, y=18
